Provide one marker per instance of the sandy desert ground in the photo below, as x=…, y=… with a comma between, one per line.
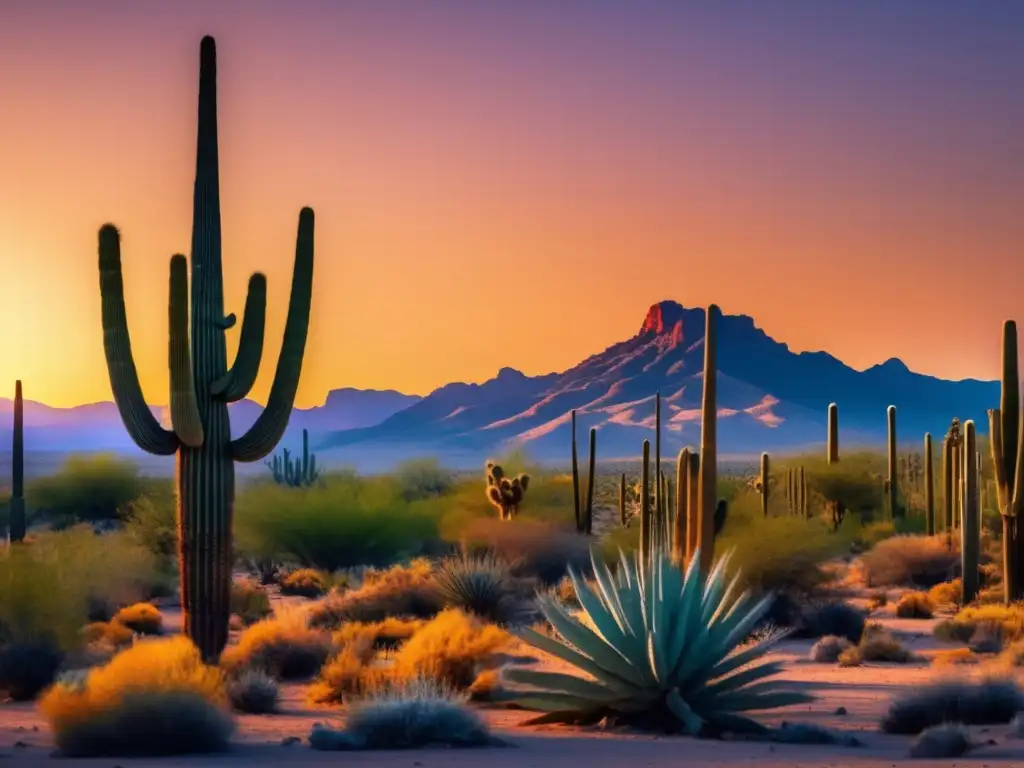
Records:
x=851, y=700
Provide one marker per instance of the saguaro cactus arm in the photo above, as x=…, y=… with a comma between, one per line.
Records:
x=142, y=426
x=185, y=419
x=270, y=425
x=995, y=439
x=237, y=382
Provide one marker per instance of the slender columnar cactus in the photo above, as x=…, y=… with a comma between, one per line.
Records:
x=679, y=532
x=692, y=504
x=763, y=484
x=802, y=484
x=970, y=531
x=300, y=473
x=1006, y=428
x=16, y=508
x=791, y=491
x=645, y=502
x=577, y=511
x=708, y=479
x=890, y=414
x=201, y=383
x=929, y=487
x=588, y=527
x=659, y=501
x=833, y=433
x=947, y=485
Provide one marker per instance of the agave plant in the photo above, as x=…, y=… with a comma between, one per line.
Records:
x=663, y=648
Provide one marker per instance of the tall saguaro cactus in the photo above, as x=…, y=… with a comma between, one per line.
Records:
x=763, y=488
x=1006, y=426
x=708, y=478
x=890, y=414
x=929, y=486
x=16, y=509
x=833, y=434
x=646, y=541
x=659, y=500
x=583, y=507
x=202, y=385
x=970, y=527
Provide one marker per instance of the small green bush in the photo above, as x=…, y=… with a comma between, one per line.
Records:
x=420, y=479
x=87, y=488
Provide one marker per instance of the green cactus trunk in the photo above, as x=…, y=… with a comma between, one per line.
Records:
x=890, y=414
x=679, y=534
x=929, y=487
x=970, y=530
x=588, y=524
x=803, y=493
x=201, y=383
x=833, y=434
x=692, y=505
x=16, y=507
x=708, y=478
x=576, y=507
x=645, y=502
x=764, y=484
x=659, y=501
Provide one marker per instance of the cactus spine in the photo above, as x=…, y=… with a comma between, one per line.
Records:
x=300, y=473
x=833, y=433
x=929, y=487
x=16, y=514
x=1006, y=426
x=645, y=502
x=890, y=414
x=763, y=489
x=201, y=383
x=707, y=480
x=970, y=528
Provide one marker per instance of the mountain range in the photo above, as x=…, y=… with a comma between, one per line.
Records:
x=770, y=398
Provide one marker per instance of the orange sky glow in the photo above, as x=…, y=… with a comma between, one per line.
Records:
x=513, y=184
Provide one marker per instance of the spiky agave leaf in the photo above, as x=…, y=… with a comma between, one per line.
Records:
x=662, y=646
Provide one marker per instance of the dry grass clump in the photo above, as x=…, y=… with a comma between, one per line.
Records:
x=305, y=582
x=915, y=605
x=254, y=693
x=285, y=648
x=385, y=635
x=948, y=593
x=1008, y=620
x=828, y=649
x=882, y=646
x=156, y=698
x=953, y=631
x=109, y=634
x=142, y=618
x=878, y=599
x=970, y=702
x=851, y=657
x=921, y=561
x=479, y=585
x=1013, y=655
x=529, y=548
x=955, y=658
x=250, y=601
x=405, y=591
x=417, y=714
x=350, y=673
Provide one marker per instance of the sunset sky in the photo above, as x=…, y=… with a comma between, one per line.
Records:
x=514, y=183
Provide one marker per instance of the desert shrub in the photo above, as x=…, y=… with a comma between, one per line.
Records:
x=27, y=667
x=250, y=601
x=283, y=647
x=970, y=702
x=883, y=647
x=854, y=482
x=385, y=635
x=529, y=548
x=155, y=698
x=954, y=631
x=417, y=714
x=878, y=599
x=919, y=561
x=304, y=582
x=349, y=673
x=832, y=618
x=915, y=605
x=782, y=555
x=86, y=489
x=401, y=591
x=947, y=741
x=947, y=593
x=108, y=633
x=451, y=649
x=254, y=693
x=151, y=521
x=954, y=658
x=1007, y=620
x=348, y=521
x=420, y=479
x=477, y=585
x=851, y=657
x=828, y=648
x=1013, y=655
x=142, y=618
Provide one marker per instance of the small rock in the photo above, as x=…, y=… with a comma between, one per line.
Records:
x=840, y=711
x=20, y=745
